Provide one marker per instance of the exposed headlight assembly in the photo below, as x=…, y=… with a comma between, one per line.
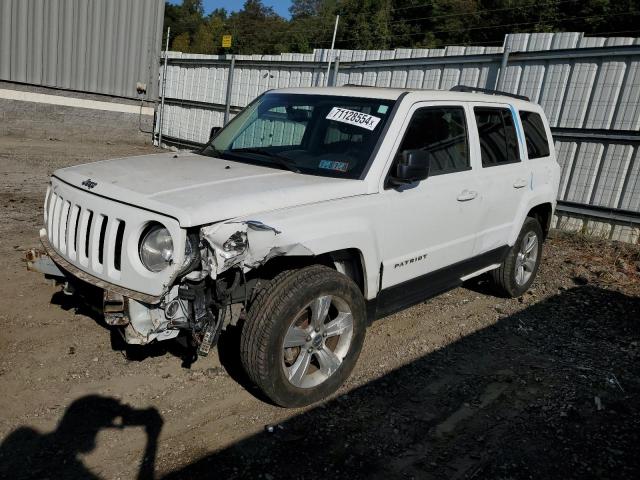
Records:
x=191, y=253
x=156, y=247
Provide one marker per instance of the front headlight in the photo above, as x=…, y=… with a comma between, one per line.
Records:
x=156, y=248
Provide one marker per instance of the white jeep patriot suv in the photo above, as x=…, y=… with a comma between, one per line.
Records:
x=312, y=213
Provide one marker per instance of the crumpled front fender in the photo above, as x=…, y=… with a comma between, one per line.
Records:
x=246, y=244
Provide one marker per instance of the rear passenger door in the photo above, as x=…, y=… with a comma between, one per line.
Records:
x=503, y=177
x=540, y=159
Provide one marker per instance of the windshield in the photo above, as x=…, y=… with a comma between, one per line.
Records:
x=311, y=134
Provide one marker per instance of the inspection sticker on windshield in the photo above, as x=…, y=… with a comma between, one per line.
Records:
x=332, y=165
x=352, y=117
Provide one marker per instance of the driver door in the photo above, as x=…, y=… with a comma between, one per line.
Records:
x=432, y=225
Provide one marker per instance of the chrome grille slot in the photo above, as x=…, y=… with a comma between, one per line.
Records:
x=83, y=237
x=72, y=232
x=93, y=237
x=57, y=210
x=64, y=225
x=103, y=232
x=50, y=208
x=117, y=251
x=46, y=204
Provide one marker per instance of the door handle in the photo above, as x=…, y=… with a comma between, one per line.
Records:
x=520, y=183
x=467, y=195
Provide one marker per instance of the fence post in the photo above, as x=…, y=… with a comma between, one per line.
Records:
x=336, y=69
x=164, y=84
x=503, y=68
x=227, y=105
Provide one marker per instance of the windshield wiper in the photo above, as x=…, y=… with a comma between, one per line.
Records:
x=280, y=159
x=210, y=151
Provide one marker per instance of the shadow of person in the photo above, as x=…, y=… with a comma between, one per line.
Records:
x=26, y=453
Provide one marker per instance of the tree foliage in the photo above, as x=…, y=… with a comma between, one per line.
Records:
x=387, y=24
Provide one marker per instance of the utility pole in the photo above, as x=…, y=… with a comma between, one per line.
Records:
x=227, y=102
x=333, y=42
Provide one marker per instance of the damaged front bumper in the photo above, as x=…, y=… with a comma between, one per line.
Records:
x=198, y=299
x=60, y=262
x=144, y=317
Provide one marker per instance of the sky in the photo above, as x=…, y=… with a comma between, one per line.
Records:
x=280, y=6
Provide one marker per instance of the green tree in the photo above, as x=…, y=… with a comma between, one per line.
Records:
x=306, y=8
x=208, y=36
x=386, y=24
x=364, y=24
x=311, y=24
x=183, y=19
x=257, y=29
x=181, y=43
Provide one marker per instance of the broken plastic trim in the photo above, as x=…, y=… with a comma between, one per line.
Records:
x=246, y=244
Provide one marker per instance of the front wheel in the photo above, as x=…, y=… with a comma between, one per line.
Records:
x=519, y=269
x=303, y=335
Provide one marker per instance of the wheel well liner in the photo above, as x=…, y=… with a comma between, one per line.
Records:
x=542, y=213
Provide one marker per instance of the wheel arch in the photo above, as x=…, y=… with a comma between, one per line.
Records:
x=348, y=261
x=538, y=207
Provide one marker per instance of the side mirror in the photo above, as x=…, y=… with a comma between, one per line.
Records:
x=412, y=167
x=214, y=132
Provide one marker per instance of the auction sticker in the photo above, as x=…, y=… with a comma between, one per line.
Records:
x=352, y=117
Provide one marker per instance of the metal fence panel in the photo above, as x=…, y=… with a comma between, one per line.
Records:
x=590, y=86
x=99, y=46
x=631, y=193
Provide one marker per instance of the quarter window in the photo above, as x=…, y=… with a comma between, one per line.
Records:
x=535, y=135
x=441, y=131
x=498, y=141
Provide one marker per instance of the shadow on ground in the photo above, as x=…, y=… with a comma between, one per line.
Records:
x=550, y=392
x=26, y=453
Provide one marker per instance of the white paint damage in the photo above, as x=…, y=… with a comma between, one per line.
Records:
x=246, y=244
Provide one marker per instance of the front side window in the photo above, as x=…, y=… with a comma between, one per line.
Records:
x=535, y=135
x=498, y=141
x=311, y=134
x=441, y=131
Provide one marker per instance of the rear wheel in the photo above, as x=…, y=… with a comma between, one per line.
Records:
x=519, y=269
x=303, y=335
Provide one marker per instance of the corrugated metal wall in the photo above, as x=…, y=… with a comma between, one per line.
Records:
x=99, y=46
x=588, y=87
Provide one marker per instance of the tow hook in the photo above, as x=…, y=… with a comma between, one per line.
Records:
x=38, y=261
x=113, y=309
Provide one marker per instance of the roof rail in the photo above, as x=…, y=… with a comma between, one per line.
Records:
x=465, y=88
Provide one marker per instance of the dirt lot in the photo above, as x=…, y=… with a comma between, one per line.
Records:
x=464, y=386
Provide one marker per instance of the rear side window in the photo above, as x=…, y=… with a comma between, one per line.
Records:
x=498, y=141
x=441, y=131
x=535, y=135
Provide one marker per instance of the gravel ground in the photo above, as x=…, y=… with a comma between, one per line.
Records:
x=466, y=385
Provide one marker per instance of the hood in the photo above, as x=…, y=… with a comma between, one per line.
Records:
x=197, y=189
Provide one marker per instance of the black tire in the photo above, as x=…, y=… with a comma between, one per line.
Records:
x=504, y=277
x=274, y=309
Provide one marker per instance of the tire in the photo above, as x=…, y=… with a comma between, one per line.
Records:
x=305, y=371
x=508, y=279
